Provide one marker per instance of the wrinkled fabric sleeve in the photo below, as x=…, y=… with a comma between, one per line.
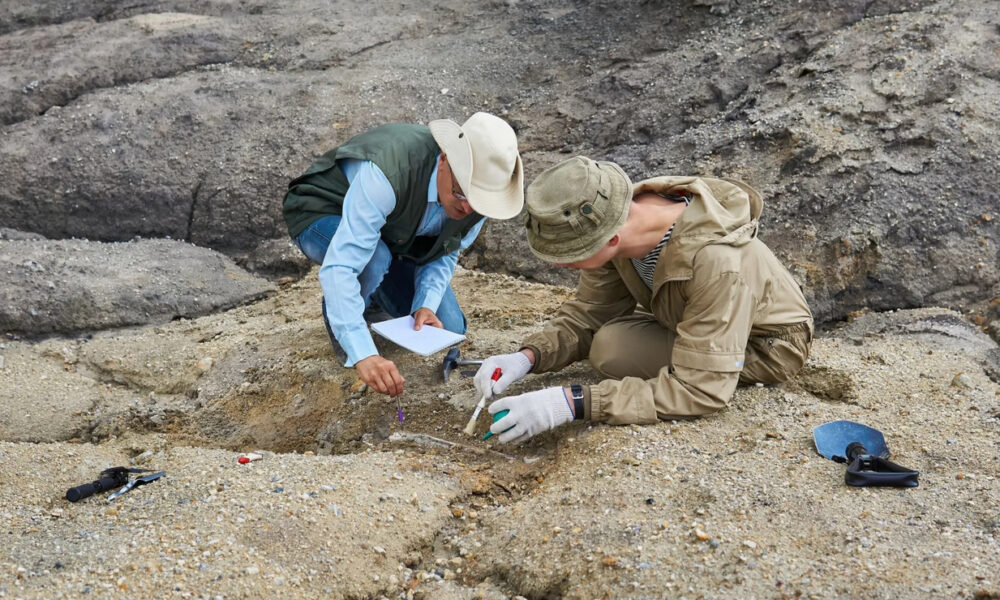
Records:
x=601, y=296
x=433, y=278
x=707, y=359
x=368, y=202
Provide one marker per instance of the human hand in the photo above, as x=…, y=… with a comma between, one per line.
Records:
x=426, y=316
x=380, y=374
x=513, y=368
x=530, y=414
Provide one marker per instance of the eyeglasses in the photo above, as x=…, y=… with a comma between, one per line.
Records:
x=455, y=190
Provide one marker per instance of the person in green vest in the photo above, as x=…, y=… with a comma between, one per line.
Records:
x=386, y=214
x=678, y=300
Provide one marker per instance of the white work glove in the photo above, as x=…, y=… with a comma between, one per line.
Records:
x=513, y=368
x=530, y=414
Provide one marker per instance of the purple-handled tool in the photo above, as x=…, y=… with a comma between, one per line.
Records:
x=399, y=410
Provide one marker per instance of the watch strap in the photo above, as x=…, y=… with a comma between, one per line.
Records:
x=576, y=390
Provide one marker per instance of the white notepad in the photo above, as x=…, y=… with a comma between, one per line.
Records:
x=425, y=342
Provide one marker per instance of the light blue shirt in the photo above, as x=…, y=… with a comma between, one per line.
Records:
x=368, y=202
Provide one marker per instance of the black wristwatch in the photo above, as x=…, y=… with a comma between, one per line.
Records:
x=576, y=390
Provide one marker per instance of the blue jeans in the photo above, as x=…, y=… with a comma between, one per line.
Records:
x=387, y=280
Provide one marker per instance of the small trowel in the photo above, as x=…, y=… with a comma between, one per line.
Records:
x=865, y=452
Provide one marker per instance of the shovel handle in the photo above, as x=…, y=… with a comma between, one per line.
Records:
x=872, y=471
x=75, y=494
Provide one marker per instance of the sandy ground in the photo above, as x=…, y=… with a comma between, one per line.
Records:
x=733, y=505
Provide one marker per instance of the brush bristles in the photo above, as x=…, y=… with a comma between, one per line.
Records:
x=470, y=429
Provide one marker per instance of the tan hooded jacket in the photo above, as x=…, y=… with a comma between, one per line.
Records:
x=716, y=286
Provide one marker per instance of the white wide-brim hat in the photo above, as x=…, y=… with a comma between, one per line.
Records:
x=482, y=154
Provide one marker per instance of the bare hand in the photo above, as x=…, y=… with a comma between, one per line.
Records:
x=426, y=316
x=380, y=374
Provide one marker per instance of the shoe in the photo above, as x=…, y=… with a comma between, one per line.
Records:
x=338, y=350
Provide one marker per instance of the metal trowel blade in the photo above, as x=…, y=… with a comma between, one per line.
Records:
x=832, y=439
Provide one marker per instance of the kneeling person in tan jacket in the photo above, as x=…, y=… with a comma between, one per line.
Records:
x=678, y=300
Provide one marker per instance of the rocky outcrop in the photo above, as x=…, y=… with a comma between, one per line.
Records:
x=866, y=124
x=74, y=286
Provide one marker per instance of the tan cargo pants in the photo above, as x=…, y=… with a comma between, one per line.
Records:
x=639, y=346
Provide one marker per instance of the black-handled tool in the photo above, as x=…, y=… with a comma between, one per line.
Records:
x=453, y=359
x=110, y=479
x=865, y=452
x=867, y=470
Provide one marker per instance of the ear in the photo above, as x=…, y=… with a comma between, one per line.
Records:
x=615, y=240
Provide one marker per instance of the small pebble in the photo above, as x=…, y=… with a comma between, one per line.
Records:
x=962, y=380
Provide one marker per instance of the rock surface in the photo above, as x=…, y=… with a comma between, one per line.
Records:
x=867, y=125
x=65, y=286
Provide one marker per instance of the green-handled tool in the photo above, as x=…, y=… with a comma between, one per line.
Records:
x=501, y=414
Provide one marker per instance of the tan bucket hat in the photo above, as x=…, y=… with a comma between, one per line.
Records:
x=482, y=153
x=575, y=208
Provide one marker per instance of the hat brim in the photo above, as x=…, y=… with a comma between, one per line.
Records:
x=499, y=204
x=495, y=204
x=579, y=248
x=452, y=141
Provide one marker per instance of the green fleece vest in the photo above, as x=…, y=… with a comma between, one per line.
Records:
x=406, y=154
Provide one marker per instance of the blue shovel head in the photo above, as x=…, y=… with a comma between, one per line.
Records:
x=833, y=438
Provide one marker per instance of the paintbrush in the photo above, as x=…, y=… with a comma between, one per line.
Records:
x=470, y=429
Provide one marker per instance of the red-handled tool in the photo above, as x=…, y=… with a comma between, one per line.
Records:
x=470, y=429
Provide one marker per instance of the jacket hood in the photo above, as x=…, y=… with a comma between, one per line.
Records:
x=721, y=211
